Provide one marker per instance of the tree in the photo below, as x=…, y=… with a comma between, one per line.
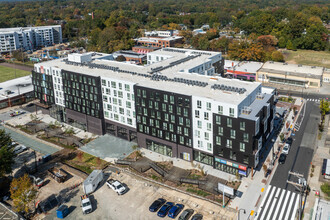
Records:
x=22, y=193
x=324, y=107
x=277, y=56
x=289, y=45
x=6, y=153
x=19, y=55
x=121, y=58
x=281, y=42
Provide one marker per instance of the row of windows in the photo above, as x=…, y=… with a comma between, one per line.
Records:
x=119, y=110
x=114, y=84
x=163, y=97
x=118, y=118
x=79, y=78
x=74, y=85
x=166, y=117
x=229, y=144
x=220, y=108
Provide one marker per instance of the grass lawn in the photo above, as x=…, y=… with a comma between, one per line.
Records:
x=87, y=162
x=308, y=57
x=7, y=73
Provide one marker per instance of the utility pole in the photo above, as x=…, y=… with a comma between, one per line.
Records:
x=301, y=186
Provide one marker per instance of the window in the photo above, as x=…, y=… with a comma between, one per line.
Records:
x=232, y=155
x=186, y=131
x=218, y=120
x=196, y=113
x=232, y=133
x=104, y=83
x=242, y=147
x=185, y=112
x=209, y=146
x=229, y=122
x=245, y=137
x=172, y=99
x=199, y=104
x=207, y=136
x=188, y=122
x=121, y=111
x=242, y=125
x=181, y=120
x=218, y=140
x=206, y=116
x=229, y=143
x=220, y=109
x=120, y=94
x=246, y=159
x=231, y=112
x=200, y=144
x=209, y=126
x=208, y=106
x=128, y=104
x=220, y=131
x=165, y=98
x=127, y=88
x=170, y=108
x=179, y=130
x=220, y=152
x=199, y=124
x=113, y=84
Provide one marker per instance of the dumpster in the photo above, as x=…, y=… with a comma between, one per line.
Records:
x=62, y=211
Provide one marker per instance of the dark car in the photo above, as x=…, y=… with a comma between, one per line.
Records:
x=164, y=209
x=197, y=217
x=282, y=159
x=186, y=214
x=289, y=140
x=175, y=210
x=156, y=205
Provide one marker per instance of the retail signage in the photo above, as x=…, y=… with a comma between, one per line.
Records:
x=241, y=172
x=229, y=163
x=223, y=161
x=217, y=159
x=242, y=167
x=235, y=165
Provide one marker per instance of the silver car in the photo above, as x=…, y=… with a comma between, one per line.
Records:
x=286, y=149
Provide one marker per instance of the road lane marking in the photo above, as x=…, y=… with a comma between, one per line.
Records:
x=290, y=205
x=279, y=204
x=268, y=202
x=273, y=203
x=287, y=196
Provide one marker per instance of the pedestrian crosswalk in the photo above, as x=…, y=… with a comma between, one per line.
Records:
x=314, y=100
x=278, y=204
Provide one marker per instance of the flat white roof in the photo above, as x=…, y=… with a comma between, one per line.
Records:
x=156, y=39
x=292, y=68
x=16, y=87
x=243, y=66
x=171, y=73
x=18, y=29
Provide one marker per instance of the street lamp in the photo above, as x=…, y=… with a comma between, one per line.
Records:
x=240, y=211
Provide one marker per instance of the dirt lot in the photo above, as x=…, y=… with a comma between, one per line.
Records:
x=132, y=205
x=25, y=161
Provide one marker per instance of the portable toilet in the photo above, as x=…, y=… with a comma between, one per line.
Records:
x=62, y=211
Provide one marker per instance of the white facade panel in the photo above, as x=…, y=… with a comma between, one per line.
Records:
x=118, y=101
x=58, y=86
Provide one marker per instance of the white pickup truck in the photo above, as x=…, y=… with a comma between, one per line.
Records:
x=117, y=186
x=86, y=204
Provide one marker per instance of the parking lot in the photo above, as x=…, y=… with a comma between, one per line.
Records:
x=25, y=161
x=134, y=204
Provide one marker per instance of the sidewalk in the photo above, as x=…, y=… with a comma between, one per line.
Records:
x=322, y=152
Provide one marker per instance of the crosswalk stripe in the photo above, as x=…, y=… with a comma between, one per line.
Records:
x=267, y=204
x=264, y=199
x=279, y=204
x=293, y=217
x=274, y=202
x=290, y=206
x=284, y=204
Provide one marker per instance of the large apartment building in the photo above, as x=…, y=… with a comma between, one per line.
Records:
x=177, y=105
x=29, y=38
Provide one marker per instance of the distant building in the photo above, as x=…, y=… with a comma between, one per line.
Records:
x=144, y=49
x=198, y=31
x=159, y=42
x=245, y=70
x=16, y=92
x=291, y=74
x=168, y=33
x=130, y=56
x=326, y=75
x=29, y=38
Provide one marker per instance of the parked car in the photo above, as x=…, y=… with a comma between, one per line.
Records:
x=156, y=205
x=175, y=210
x=86, y=204
x=197, y=217
x=286, y=149
x=289, y=141
x=164, y=209
x=19, y=149
x=116, y=186
x=185, y=215
x=16, y=113
x=282, y=159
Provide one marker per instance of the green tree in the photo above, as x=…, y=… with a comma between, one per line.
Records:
x=324, y=107
x=6, y=153
x=289, y=45
x=22, y=193
x=277, y=56
x=281, y=42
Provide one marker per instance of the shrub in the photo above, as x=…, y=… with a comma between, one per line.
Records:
x=325, y=188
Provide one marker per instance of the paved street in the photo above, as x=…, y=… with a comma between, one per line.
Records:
x=278, y=204
x=302, y=149
x=30, y=142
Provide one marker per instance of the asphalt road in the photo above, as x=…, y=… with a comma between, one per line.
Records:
x=305, y=95
x=302, y=149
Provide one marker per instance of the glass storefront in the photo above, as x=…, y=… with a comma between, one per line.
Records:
x=287, y=81
x=77, y=124
x=230, y=167
x=58, y=112
x=203, y=158
x=159, y=148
